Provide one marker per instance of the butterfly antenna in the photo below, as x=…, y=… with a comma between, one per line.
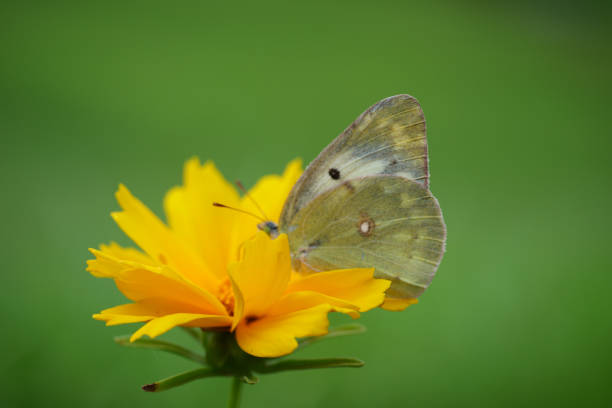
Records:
x=239, y=210
x=246, y=193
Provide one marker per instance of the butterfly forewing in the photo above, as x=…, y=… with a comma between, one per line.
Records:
x=387, y=139
x=390, y=223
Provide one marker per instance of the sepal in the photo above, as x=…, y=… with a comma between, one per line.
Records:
x=180, y=379
x=344, y=330
x=159, y=345
x=224, y=358
x=309, y=364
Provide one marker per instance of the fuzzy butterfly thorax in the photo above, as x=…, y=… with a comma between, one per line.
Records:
x=365, y=202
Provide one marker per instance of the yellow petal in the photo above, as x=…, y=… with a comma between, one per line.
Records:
x=161, y=325
x=397, y=304
x=274, y=336
x=104, y=266
x=270, y=194
x=128, y=254
x=206, y=229
x=145, y=229
x=238, y=303
x=138, y=282
x=114, y=320
x=263, y=273
x=295, y=301
x=142, y=284
x=129, y=313
x=112, y=259
x=112, y=262
x=356, y=286
x=142, y=311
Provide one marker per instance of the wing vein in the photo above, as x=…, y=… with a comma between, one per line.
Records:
x=381, y=149
x=388, y=117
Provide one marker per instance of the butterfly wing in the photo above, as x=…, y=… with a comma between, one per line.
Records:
x=390, y=223
x=387, y=139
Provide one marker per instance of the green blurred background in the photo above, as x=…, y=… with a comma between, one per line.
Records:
x=517, y=102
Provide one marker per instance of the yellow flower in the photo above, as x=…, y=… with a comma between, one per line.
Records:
x=211, y=267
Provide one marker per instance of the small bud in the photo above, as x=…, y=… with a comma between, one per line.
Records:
x=150, y=387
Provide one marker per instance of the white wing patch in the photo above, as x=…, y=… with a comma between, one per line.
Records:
x=352, y=167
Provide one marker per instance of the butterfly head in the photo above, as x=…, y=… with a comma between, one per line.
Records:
x=269, y=228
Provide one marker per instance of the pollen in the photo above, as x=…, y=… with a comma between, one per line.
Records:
x=226, y=295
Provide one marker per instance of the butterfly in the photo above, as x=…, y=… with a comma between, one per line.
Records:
x=364, y=201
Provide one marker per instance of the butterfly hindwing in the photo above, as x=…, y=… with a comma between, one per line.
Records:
x=387, y=139
x=391, y=223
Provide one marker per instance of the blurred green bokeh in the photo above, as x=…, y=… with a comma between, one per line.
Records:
x=518, y=109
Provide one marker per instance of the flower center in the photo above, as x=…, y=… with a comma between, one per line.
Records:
x=226, y=295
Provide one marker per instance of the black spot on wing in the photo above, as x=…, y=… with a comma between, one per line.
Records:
x=334, y=173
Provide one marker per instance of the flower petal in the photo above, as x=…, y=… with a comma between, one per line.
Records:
x=144, y=310
x=397, y=304
x=263, y=273
x=146, y=230
x=162, y=324
x=138, y=282
x=356, y=286
x=129, y=313
x=274, y=336
x=295, y=301
x=238, y=303
x=128, y=254
x=206, y=229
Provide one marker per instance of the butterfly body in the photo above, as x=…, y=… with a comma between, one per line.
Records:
x=364, y=202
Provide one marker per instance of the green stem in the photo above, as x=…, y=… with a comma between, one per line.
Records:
x=234, y=401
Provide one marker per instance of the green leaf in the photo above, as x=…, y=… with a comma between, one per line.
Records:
x=344, y=330
x=161, y=346
x=291, y=365
x=181, y=379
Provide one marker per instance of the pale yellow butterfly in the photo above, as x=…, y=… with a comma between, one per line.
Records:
x=365, y=202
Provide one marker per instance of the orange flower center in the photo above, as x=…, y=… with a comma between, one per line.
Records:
x=226, y=295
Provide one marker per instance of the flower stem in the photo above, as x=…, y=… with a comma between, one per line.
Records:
x=234, y=400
